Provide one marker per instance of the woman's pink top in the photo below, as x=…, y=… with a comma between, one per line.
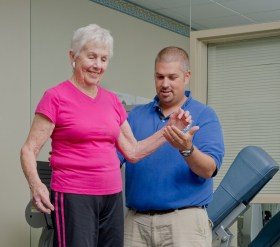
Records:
x=84, y=158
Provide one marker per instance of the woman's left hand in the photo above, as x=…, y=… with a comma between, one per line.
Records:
x=173, y=133
x=180, y=119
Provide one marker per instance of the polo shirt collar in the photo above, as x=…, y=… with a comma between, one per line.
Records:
x=157, y=108
x=187, y=93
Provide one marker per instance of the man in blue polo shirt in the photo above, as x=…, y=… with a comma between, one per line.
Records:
x=168, y=191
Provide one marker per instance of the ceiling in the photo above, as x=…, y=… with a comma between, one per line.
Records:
x=207, y=14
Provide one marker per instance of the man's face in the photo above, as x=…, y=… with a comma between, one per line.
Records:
x=170, y=81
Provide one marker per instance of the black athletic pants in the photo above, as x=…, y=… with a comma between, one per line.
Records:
x=87, y=221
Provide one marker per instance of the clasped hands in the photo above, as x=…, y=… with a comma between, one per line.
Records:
x=173, y=131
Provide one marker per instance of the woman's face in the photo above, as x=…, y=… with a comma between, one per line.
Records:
x=91, y=63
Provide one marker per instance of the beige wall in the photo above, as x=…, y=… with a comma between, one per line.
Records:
x=48, y=34
x=15, y=119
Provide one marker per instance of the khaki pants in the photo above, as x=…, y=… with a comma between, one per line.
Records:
x=181, y=228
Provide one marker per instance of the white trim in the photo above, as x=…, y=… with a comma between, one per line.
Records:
x=267, y=198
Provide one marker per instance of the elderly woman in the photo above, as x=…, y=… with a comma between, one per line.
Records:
x=86, y=124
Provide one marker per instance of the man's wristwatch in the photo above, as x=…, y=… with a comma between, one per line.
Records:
x=187, y=153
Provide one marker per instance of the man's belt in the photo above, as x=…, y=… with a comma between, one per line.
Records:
x=167, y=211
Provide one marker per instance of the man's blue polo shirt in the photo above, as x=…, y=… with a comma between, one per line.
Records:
x=163, y=180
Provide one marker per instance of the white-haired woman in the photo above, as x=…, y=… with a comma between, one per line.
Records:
x=86, y=124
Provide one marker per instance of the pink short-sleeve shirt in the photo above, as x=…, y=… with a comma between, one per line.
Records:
x=84, y=158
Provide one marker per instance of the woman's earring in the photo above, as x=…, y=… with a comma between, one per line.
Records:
x=73, y=65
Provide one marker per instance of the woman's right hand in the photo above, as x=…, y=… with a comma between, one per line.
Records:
x=41, y=198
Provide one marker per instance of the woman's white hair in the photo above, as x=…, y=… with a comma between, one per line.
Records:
x=94, y=33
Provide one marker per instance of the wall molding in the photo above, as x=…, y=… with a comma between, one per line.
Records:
x=146, y=15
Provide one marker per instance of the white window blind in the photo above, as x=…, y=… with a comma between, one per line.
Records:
x=244, y=90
